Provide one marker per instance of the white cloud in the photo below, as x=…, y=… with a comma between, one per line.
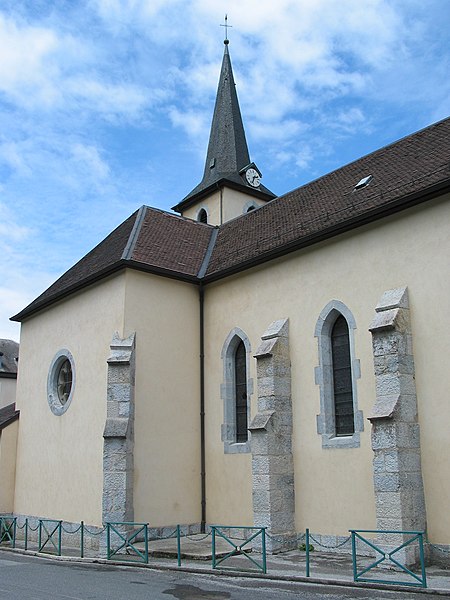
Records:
x=26, y=68
x=10, y=230
x=108, y=99
x=191, y=121
x=12, y=155
x=90, y=160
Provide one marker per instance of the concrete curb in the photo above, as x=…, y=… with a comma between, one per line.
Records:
x=269, y=577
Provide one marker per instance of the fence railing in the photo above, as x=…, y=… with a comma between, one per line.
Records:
x=8, y=530
x=46, y=536
x=122, y=541
x=131, y=542
x=239, y=546
x=387, y=556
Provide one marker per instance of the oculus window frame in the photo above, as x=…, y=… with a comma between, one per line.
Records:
x=61, y=382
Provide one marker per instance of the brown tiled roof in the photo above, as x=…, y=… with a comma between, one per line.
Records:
x=405, y=173
x=171, y=242
x=8, y=414
x=151, y=240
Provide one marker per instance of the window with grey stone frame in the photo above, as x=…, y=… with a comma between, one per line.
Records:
x=202, y=215
x=228, y=391
x=326, y=425
x=57, y=404
x=249, y=207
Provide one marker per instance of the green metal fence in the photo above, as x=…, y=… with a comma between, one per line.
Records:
x=122, y=539
x=46, y=536
x=8, y=530
x=388, y=557
x=49, y=536
x=243, y=548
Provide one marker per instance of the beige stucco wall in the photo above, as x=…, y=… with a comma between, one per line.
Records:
x=8, y=443
x=334, y=490
x=7, y=391
x=165, y=315
x=223, y=205
x=59, y=458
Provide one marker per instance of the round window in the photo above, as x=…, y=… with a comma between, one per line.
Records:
x=61, y=382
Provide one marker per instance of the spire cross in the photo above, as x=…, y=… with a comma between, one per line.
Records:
x=226, y=27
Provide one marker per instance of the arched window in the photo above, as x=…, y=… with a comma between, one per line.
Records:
x=202, y=216
x=340, y=422
x=342, y=378
x=249, y=206
x=236, y=391
x=240, y=396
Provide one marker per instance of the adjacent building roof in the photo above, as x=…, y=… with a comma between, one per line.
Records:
x=8, y=415
x=410, y=171
x=9, y=356
x=227, y=153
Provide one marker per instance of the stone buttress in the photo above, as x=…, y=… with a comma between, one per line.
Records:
x=397, y=473
x=271, y=441
x=119, y=432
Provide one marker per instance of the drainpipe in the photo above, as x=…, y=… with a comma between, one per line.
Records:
x=202, y=410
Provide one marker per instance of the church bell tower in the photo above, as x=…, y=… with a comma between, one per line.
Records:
x=231, y=183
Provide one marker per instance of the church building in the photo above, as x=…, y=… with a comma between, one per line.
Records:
x=251, y=359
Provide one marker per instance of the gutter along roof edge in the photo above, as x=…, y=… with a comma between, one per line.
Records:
x=120, y=265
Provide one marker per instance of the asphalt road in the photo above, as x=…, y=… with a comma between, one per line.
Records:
x=33, y=578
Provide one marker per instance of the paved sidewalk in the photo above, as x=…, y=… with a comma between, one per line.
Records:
x=325, y=567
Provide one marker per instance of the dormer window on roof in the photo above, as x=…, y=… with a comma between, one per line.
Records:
x=364, y=182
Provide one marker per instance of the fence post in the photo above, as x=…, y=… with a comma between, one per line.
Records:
x=422, y=561
x=82, y=539
x=307, y=552
x=59, y=537
x=263, y=548
x=14, y=532
x=355, y=572
x=146, y=542
x=178, y=545
x=213, y=530
x=26, y=534
x=108, y=540
x=39, y=535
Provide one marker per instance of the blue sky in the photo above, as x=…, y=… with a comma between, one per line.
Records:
x=105, y=105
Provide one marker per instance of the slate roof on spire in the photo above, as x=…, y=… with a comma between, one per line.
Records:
x=227, y=149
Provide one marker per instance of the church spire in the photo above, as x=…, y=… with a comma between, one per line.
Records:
x=227, y=158
x=227, y=149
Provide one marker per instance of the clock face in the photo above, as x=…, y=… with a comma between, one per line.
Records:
x=253, y=177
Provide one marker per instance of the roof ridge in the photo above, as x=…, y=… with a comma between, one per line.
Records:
x=180, y=217
x=208, y=253
x=134, y=235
